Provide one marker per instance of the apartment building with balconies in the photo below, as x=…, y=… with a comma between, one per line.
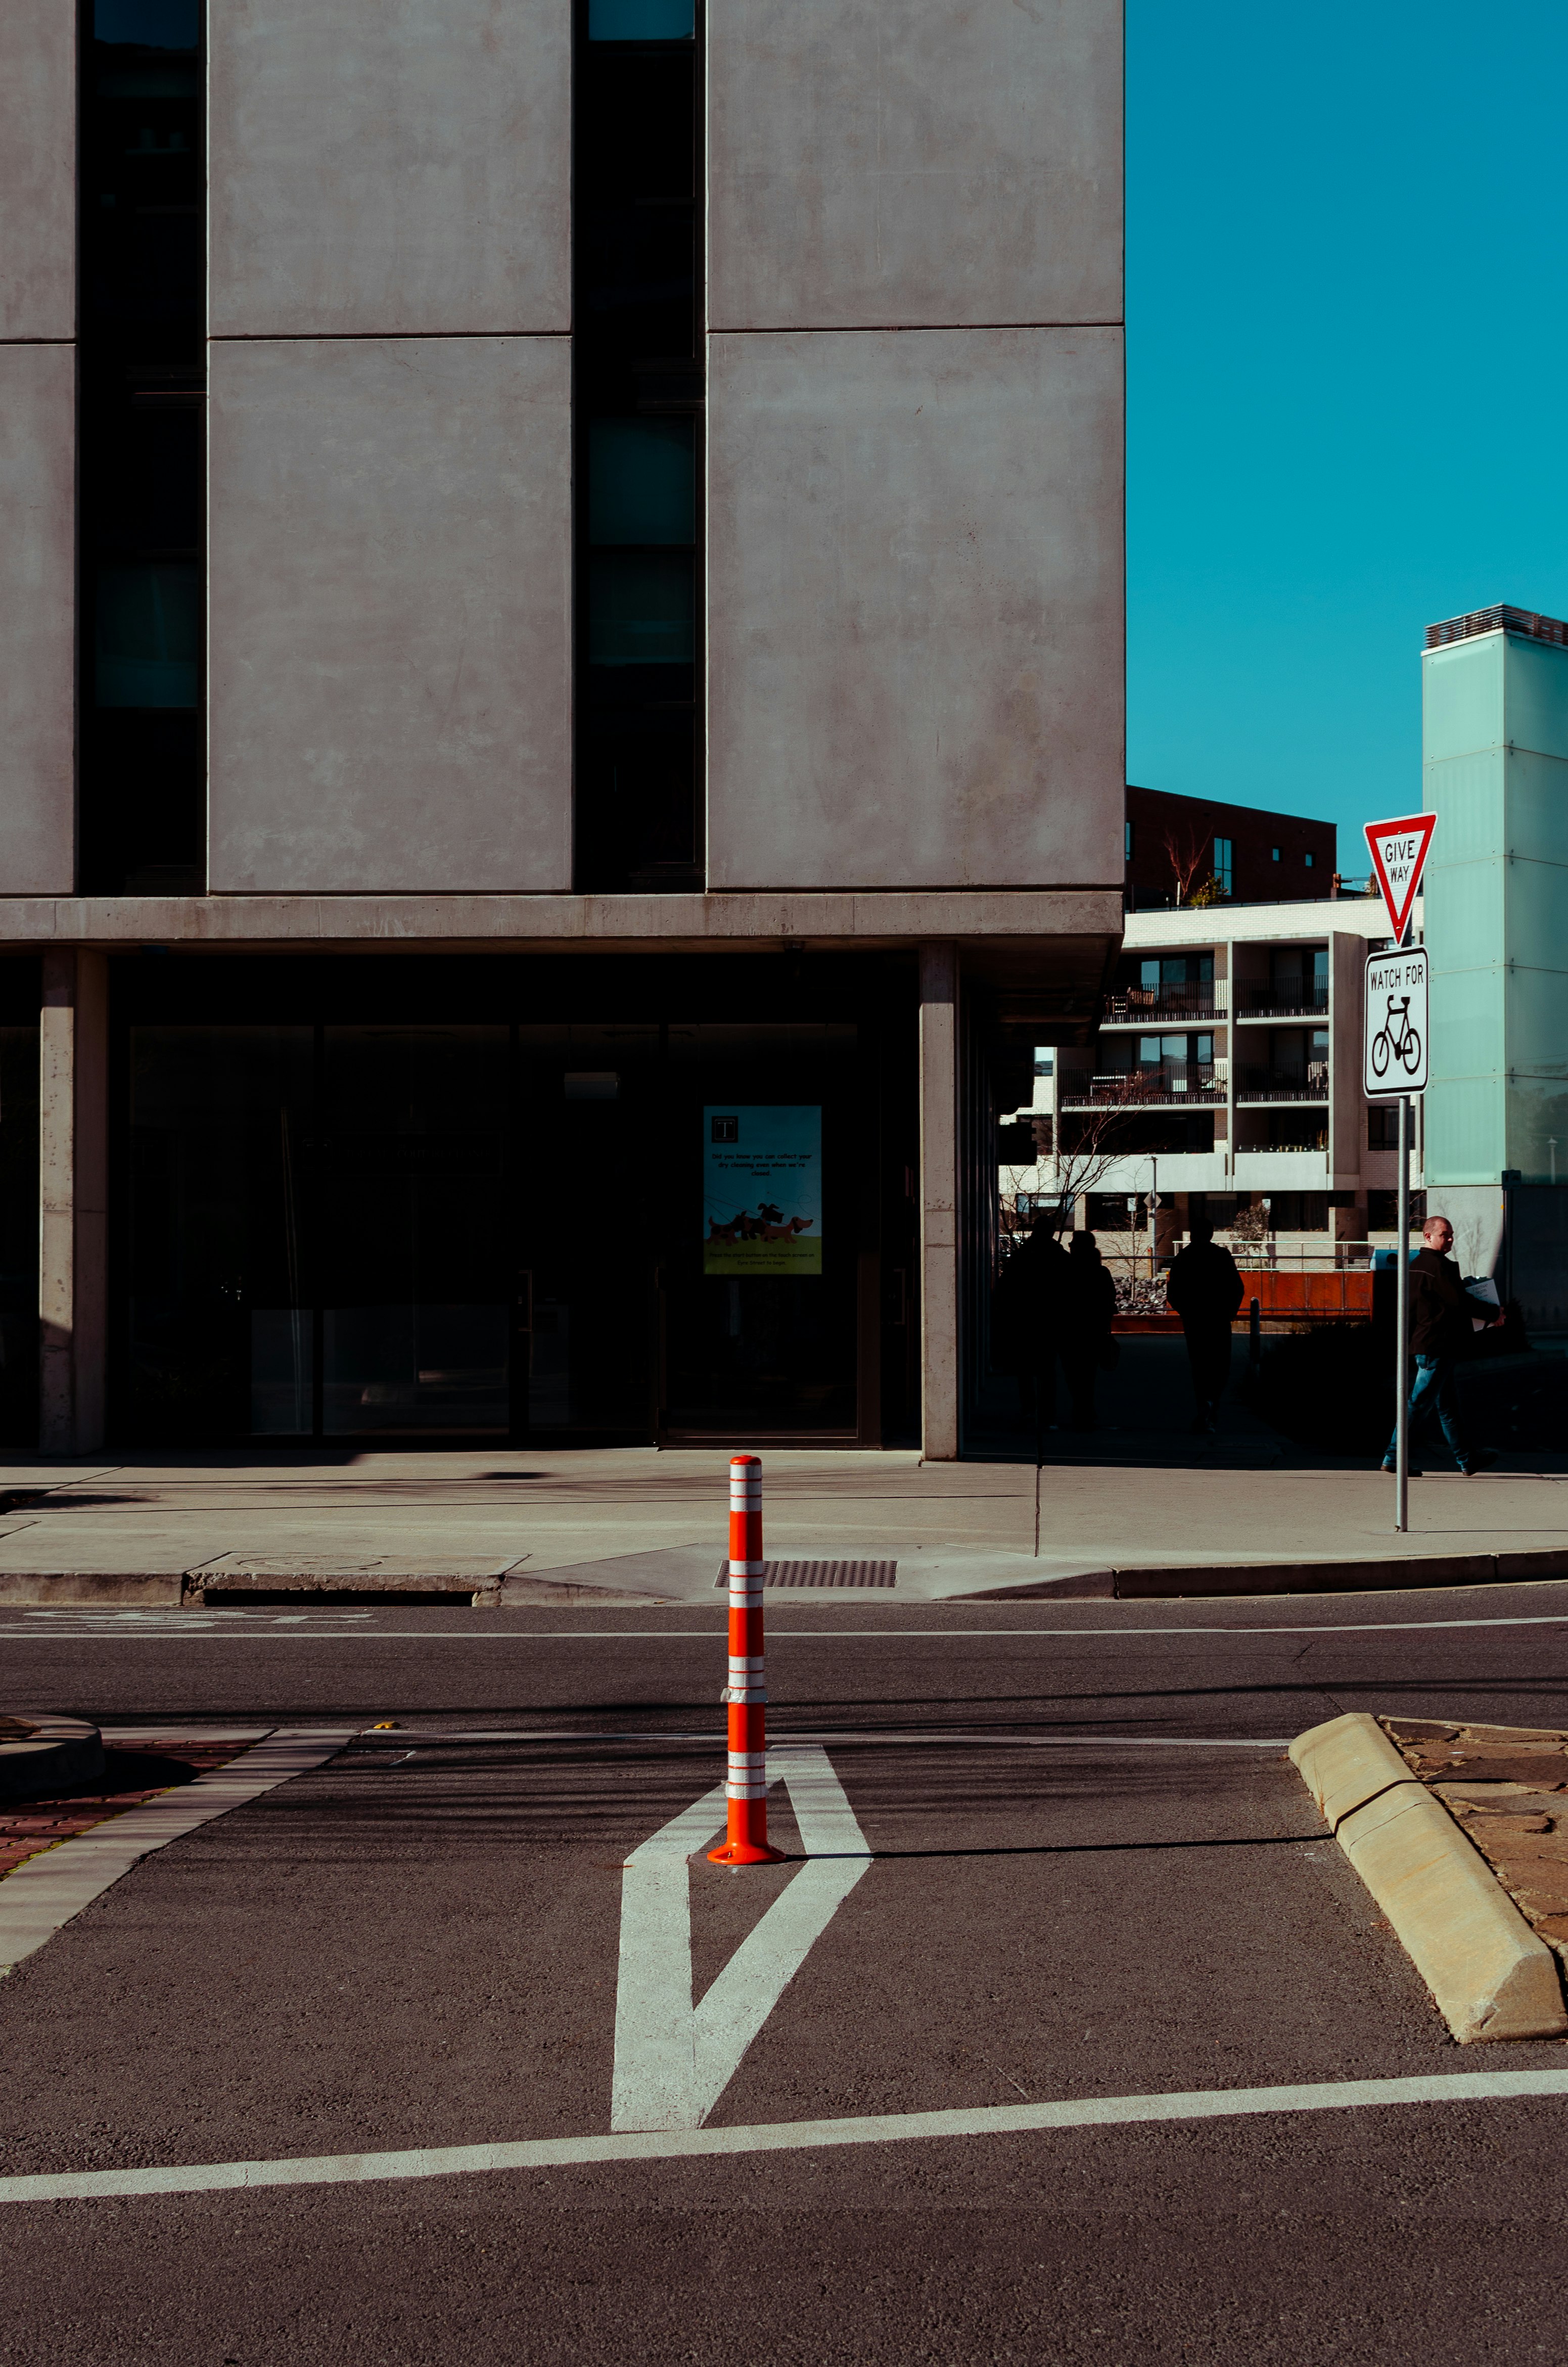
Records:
x=1225, y=1079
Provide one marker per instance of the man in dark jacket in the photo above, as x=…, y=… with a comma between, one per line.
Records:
x=1442, y=1319
x=1205, y=1290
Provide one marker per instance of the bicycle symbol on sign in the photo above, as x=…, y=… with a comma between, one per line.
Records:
x=1396, y=1039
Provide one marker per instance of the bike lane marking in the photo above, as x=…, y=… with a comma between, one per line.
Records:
x=784, y=2136
x=673, y=2058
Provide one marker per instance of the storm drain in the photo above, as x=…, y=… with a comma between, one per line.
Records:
x=820, y=1573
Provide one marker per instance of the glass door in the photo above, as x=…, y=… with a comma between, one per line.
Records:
x=415, y=1323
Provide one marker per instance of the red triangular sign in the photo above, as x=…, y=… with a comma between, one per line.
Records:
x=1399, y=857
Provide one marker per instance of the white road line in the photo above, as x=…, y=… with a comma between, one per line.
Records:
x=960, y=1738
x=490, y=1634
x=46, y=1891
x=781, y=2136
x=674, y=2059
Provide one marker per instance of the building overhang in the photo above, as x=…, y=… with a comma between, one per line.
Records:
x=1006, y=935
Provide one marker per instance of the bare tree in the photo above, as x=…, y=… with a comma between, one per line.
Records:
x=1186, y=849
x=1076, y=1151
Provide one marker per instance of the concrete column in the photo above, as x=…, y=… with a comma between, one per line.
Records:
x=72, y=1202
x=939, y=1201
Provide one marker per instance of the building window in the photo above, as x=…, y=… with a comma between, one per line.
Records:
x=637, y=407
x=1224, y=864
x=142, y=449
x=1274, y=855
x=1383, y=1125
x=1127, y=842
x=1299, y=1212
x=1309, y=860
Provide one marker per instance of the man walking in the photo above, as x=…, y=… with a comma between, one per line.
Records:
x=1205, y=1290
x=1442, y=1319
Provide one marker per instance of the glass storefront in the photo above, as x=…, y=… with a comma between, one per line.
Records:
x=766, y=1345
x=220, y=1336
x=18, y=1235
x=356, y=1229
x=413, y=1197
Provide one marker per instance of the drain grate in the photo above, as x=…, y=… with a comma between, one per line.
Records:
x=820, y=1573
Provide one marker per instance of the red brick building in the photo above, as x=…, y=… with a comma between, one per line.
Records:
x=1176, y=845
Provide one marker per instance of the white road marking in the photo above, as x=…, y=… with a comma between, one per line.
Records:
x=958, y=1739
x=186, y=1625
x=674, y=2059
x=783, y=2136
x=46, y=1891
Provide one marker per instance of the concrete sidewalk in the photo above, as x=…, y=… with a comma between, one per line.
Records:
x=643, y=1523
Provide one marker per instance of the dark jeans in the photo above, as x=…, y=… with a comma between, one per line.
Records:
x=1208, y=1355
x=1434, y=1390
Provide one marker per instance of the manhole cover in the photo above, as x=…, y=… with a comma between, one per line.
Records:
x=820, y=1573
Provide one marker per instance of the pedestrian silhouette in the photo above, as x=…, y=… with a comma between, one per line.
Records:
x=1036, y=1320
x=1091, y=1349
x=1205, y=1288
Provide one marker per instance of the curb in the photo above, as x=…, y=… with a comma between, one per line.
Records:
x=46, y=1754
x=191, y=1591
x=1491, y=1976
x=1394, y=1574
x=176, y=1590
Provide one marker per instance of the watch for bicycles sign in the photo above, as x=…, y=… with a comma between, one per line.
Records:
x=1393, y=1045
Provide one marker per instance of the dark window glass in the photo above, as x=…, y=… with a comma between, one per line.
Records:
x=415, y=1323
x=639, y=401
x=641, y=20
x=221, y=1332
x=142, y=448
x=18, y=1235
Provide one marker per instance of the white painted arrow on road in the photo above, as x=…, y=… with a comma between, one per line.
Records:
x=675, y=2058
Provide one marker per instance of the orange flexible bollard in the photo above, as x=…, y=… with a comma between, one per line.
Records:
x=745, y=1839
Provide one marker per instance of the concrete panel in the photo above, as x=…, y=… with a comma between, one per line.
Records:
x=874, y=167
x=915, y=595
x=389, y=615
x=38, y=626
x=1462, y=697
x=390, y=169
x=37, y=169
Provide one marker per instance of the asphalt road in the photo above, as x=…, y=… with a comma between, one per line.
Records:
x=1092, y=1875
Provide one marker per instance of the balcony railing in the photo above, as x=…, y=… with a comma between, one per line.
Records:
x=1179, y=1082
x=1310, y=1084
x=1308, y=1001
x=1131, y=1006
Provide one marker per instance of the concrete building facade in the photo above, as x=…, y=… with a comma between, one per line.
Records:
x=561, y=593
x=1495, y=706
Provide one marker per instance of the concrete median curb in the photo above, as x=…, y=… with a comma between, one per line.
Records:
x=1491, y=1976
x=1380, y=1574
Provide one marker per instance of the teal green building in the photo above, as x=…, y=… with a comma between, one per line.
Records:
x=1495, y=712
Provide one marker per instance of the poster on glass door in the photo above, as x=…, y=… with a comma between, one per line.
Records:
x=762, y=1189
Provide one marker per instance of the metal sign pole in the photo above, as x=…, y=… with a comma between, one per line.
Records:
x=1402, y=1321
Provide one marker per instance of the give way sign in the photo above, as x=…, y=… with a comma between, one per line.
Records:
x=1399, y=857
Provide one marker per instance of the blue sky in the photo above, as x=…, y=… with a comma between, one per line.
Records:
x=1347, y=365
